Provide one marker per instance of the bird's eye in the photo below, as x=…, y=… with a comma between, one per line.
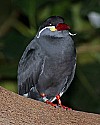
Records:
x=50, y=24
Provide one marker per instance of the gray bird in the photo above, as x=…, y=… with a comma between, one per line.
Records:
x=47, y=66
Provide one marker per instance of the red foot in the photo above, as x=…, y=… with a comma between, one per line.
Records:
x=47, y=101
x=52, y=104
x=60, y=104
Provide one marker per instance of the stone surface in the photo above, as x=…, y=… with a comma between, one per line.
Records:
x=18, y=110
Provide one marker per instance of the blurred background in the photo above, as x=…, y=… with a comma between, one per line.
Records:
x=19, y=22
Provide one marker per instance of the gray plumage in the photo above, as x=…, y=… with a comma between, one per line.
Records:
x=47, y=65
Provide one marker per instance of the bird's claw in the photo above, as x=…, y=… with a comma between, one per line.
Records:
x=55, y=105
x=60, y=104
x=65, y=107
x=52, y=104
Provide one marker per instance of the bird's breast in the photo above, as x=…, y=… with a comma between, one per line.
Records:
x=57, y=49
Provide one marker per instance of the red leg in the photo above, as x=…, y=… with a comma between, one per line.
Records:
x=47, y=101
x=60, y=104
x=52, y=104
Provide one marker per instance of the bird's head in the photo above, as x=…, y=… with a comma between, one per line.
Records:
x=51, y=25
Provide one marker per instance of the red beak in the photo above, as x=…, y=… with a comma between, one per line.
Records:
x=62, y=26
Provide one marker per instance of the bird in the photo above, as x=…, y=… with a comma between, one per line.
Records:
x=47, y=66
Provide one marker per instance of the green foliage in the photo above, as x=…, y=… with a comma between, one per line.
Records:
x=19, y=22
x=10, y=85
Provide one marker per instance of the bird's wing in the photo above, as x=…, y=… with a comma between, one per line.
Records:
x=69, y=78
x=29, y=68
